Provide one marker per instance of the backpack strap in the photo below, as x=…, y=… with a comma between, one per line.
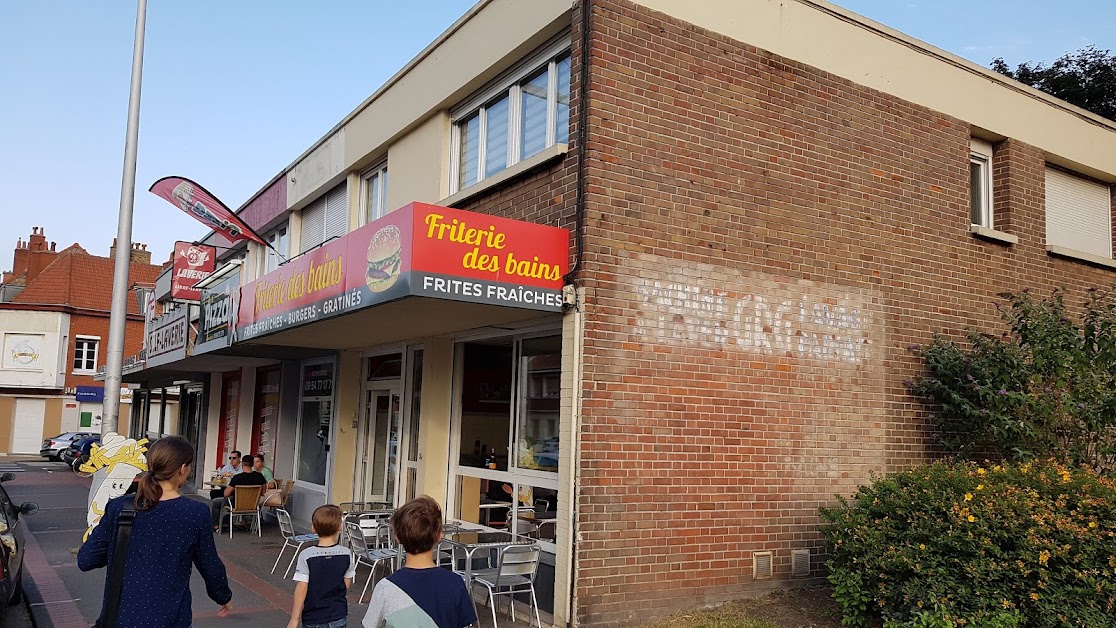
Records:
x=115, y=583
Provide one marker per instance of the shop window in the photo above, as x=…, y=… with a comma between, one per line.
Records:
x=517, y=117
x=510, y=389
x=265, y=415
x=315, y=416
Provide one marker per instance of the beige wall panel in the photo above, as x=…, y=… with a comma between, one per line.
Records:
x=827, y=37
x=437, y=402
x=416, y=164
x=52, y=420
x=343, y=453
x=7, y=407
x=313, y=172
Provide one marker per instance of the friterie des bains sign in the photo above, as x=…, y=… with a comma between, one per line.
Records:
x=417, y=250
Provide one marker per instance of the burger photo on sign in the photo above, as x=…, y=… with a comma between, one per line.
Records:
x=385, y=257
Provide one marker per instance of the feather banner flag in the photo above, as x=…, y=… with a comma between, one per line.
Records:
x=204, y=207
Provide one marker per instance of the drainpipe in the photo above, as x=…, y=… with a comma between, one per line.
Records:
x=582, y=152
x=579, y=237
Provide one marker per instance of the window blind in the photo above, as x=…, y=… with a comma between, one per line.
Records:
x=313, y=224
x=336, y=213
x=1078, y=213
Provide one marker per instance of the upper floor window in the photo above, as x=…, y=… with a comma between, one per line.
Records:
x=522, y=114
x=85, y=354
x=980, y=182
x=374, y=196
x=325, y=218
x=278, y=251
x=1078, y=213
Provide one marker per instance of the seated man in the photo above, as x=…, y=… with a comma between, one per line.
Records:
x=231, y=468
x=246, y=477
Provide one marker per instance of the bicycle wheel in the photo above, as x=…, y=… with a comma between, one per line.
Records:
x=76, y=466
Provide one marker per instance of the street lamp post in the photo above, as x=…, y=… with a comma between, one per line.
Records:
x=114, y=359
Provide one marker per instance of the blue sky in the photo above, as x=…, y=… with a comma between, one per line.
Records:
x=234, y=91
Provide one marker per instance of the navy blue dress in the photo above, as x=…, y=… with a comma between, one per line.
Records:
x=167, y=541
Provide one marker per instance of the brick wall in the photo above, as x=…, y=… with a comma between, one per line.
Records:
x=89, y=325
x=765, y=242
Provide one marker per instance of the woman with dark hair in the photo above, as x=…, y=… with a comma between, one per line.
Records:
x=171, y=533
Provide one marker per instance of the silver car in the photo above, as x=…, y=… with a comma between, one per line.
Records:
x=53, y=447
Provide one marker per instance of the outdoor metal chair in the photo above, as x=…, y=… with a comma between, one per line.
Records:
x=371, y=558
x=245, y=502
x=514, y=573
x=290, y=539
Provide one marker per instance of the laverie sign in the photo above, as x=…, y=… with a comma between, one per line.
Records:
x=418, y=250
x=166, y=337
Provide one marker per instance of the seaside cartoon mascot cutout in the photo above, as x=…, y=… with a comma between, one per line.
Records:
x=114, y=464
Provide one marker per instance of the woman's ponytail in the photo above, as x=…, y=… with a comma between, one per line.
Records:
x=164, y=458
x=149, y=492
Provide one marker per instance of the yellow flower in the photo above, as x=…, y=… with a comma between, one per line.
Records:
x=921, y=546
x=980, y=487
x=968, y=497
x=971, y=518
x=1092, y=524
x=981, y=471
x=1035, y=596
x=997, y=468
x=1005, y=603
x=1044, y=556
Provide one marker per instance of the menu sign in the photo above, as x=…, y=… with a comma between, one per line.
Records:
x=418, y=250
x=266, y=418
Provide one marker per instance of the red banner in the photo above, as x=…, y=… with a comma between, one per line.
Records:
x=192, y=263
x=418, y=250
x=197, y=202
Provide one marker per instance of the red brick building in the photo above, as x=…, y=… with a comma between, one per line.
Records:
x=71, y=291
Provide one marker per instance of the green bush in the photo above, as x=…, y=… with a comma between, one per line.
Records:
x=956, y=544
x=1045, y=389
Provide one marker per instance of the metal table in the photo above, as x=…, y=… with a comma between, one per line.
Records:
x=469, y=541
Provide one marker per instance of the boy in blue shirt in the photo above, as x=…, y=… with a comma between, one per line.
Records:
x=420, y=594
x=324, y=574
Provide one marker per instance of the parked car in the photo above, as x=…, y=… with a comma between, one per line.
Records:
x=80, y=449
x=53, y=447
x=11, y=544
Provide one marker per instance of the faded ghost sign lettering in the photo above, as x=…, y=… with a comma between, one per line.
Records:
x=756, y=313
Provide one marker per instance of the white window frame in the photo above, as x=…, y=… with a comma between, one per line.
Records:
x=507, y=84
x=280, y=238
x=367, y=214
x=980, y=154
x=80, y=340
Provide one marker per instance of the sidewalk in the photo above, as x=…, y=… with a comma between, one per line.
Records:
x=61, y=596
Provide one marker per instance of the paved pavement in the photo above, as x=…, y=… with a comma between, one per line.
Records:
x=61, y=596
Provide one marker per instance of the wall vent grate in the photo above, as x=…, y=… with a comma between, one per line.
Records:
x=761, y=566
x=800, y=563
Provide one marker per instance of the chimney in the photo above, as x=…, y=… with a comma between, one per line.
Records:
x=112, y=249
x=40, y=254
x=19, y=261
x=140, y=254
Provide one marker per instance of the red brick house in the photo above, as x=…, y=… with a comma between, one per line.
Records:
x=62, y=312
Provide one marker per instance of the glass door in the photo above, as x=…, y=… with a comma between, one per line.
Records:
x=378, y=452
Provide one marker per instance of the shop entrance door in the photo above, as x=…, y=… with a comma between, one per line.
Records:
x=377, y=462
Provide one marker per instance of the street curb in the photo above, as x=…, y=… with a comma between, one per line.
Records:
x=60, y=609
